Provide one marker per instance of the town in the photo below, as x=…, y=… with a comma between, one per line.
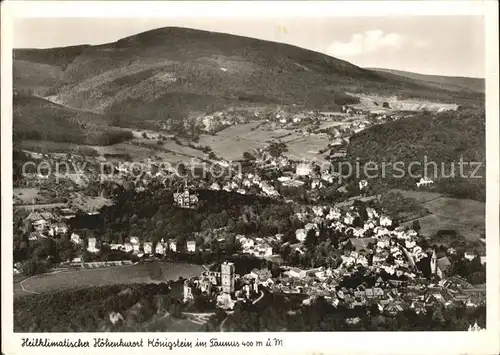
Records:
x=359, y=256
x=187, y=180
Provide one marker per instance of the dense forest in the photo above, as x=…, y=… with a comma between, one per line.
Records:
x=88, y=309
x=441, y=138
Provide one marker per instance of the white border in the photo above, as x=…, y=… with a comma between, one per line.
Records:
x=325, y=343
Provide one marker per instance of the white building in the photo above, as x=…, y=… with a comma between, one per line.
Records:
x=300, y=234
x=303, y=169
x=136, y=245
x=92, y=245
x=128, y=247
x=318, y=210
x=372, y=213
x=191, y=246
x=348, y=219
x=475, y=328
x=296, y=273
x=148, y=248
x=172, y=245
x=215, y=186
x=159, y=249
x=334, y=214
x=385, y=221
x=424, y=182
x=264, y=250
x=75, y=239
x=469, y=255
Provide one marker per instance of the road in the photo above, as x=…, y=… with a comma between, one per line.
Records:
x=199, y=318
x=259, y=298
x=224, y=321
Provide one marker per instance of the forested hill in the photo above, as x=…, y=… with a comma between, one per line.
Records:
x=443, y=138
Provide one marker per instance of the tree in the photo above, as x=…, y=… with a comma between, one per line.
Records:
x=41, y=251
x=311, y=239
x=65, y=249
x=416, y=225
x=33, y=267
x=276, y=149
x=248, y=156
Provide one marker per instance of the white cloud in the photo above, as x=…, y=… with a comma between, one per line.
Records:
x=368, y=42
x=421, y=44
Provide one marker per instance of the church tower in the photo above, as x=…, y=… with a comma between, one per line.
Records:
x=227, y=276
x=433, y=262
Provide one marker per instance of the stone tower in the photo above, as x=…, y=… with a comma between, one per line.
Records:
x=227, y=277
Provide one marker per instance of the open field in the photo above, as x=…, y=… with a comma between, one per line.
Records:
x=307, y=148
x=233, y=141
x=420, y=195
x=431, y=224
x=466, y=217
x=88, y=203
x=230, y=148
x=139, y=273
x=169, y=151
x=25, y=195
x=465, y=211
x=42, y=206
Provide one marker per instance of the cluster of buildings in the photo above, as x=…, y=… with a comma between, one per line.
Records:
x=243, y=183
x=381, y=251
x=258, y=247
x=46, y=224
x=217, y=284
x=344, y=221
x=227, y=287
x=139, y=248
x=186, y=199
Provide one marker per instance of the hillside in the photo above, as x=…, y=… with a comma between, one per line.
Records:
x=443, y=138
x=453, y=83
x=39, y=119
x=178, y=72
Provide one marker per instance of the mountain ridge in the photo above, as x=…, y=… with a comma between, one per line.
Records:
x=173, y=73
x=451, y=82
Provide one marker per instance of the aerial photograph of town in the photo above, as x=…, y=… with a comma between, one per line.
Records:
x=243, y=175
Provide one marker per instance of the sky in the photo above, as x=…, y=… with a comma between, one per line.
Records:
x=440, y=45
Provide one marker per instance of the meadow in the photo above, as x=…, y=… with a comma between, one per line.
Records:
x=25, y=195
x=233, y=141
x=466, y=217
x=138, y=273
